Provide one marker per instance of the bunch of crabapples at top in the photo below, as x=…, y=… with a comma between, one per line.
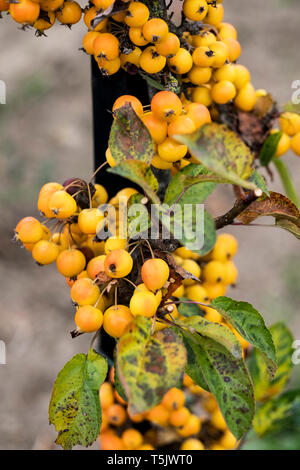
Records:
x=203, y=58
x=186, y=419
x=289, y=126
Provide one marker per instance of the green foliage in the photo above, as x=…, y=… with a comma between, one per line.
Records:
x=138, y=221
x=221, y=334
x=278, y=413
x=195, y=182
x=149, y=365
x=226, y=377
x=251, y=326
x=141, y=174
x=269, y=148
x=265, y=387
x=260, y=182
x=75, y=406
x=188, y=309
x=129, y=137
x=222, y=152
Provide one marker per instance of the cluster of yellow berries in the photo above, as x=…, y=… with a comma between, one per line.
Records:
x=205, y=60
x=178, y=413
x=290, y=139
x=92, y=267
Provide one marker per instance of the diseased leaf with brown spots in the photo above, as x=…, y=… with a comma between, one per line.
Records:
x=149, y=366
x=75, y=407
x=129, y=137
x=228, y=379
x=280, y=207
x=251, y=326
x=220, y=150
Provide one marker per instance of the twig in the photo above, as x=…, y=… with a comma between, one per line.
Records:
x=238, y=208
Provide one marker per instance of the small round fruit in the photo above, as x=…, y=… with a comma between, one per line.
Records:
x=116, y=414
x=88, y=319
x=155, y=30
x=89, y=219
x=151, y=61
x=214, y=272
x=295, y=144
x=223, y=92
x=182, y=125
x=203, y=56
x=157, y=127
x=109, y=67
x=70, y=13
x=166, y=105
x=62, y=204
x=234, y=48
x=218, y=420
x=169, y=46
x=192, y=427
x=242, y=76
x=174, y=399
x=181, y=62
x=88, y=41
x=159, y=415
x=226, y=31
x=246, y=98
x=192, y=444
x=179, y=417
x=171, y=151
x=45, y=252
x=106, y=46
x=71, y=262
x=143, y=304
x=137, y=14
x=221, y=53
x=199, y=75
x=43, y=200
x=202, y=95
x=129, y=99
x=198, y=113
x=117, y=320
x=133, y=58
x=136, y=37
x=24, y=12
x=197, y=293
x=155, y=273
x=195, y=10
x=290, y=123
x=118, y=263
x=225, y=248
x=85, y=292
x=29, y=230
x=106, y=395
x=132, y=438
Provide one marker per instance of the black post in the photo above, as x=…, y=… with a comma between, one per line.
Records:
x=105, y=90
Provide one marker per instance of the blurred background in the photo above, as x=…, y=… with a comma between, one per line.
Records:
x=46, y=135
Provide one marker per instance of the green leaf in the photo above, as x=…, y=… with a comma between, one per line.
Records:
x=227, y=378
x=216, y=331
x=287, y=181
x=283, y=342
x=141, y=174
x=260, y=182
x=221, y=151
x=269, y=148
x=154, y=83
x=118, y=385
x=129, y=138
x=192, y=368
x=75, y=407
x=290, y=226
x=292, y=107
x=138, y=218
x=193, y=179
x=251, y=326
x=278, y=413
x=188, y=310
x=149, y=366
